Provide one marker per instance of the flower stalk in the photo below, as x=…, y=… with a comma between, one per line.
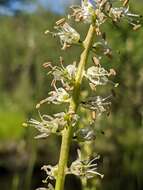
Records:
x=68, y=132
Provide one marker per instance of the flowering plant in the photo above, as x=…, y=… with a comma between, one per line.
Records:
x=94, y=13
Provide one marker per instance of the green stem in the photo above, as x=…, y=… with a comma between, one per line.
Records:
x=67, y=133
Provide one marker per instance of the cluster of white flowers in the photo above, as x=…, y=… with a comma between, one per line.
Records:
x=86, y=12
x=81, y=168
x=94, y=12
x=101, y=10
x=119, y=13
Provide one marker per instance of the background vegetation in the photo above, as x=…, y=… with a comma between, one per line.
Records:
x=23, y=82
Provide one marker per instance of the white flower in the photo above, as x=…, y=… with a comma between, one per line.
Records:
x=51, y=172
x=85, y=134
x=66, y=33
x=118, y=13
x=97, y=104
x=53, y=124
x=84, y=168
x=64, y=74
x=71, y=70
x=50, y=187
x=49, y=124
x=97, y=75
x=41, y=127
x=60, y=95
x=88, y=11
x=85, y=12
x=101, y=47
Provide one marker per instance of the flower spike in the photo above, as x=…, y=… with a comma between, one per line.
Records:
x=67, y=83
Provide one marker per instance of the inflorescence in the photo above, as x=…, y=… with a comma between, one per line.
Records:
x=94, y=12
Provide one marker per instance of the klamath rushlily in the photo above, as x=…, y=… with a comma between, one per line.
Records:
x=49, y=124
x=88, y=12
x=52, y=124
x=85, y=134
x=60, y=95
x=51, y=172
x=97, y=75
x=85, y=12
x=99, y=11
x=64, y=74
x=106, y=8
x=118, y=13
x=98, y=104
x=101, y=48
x=66, y=33
x=84, y=168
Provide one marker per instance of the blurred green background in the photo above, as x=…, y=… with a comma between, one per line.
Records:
x=23, y=82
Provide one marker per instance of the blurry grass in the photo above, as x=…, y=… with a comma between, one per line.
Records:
x=11, y=124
